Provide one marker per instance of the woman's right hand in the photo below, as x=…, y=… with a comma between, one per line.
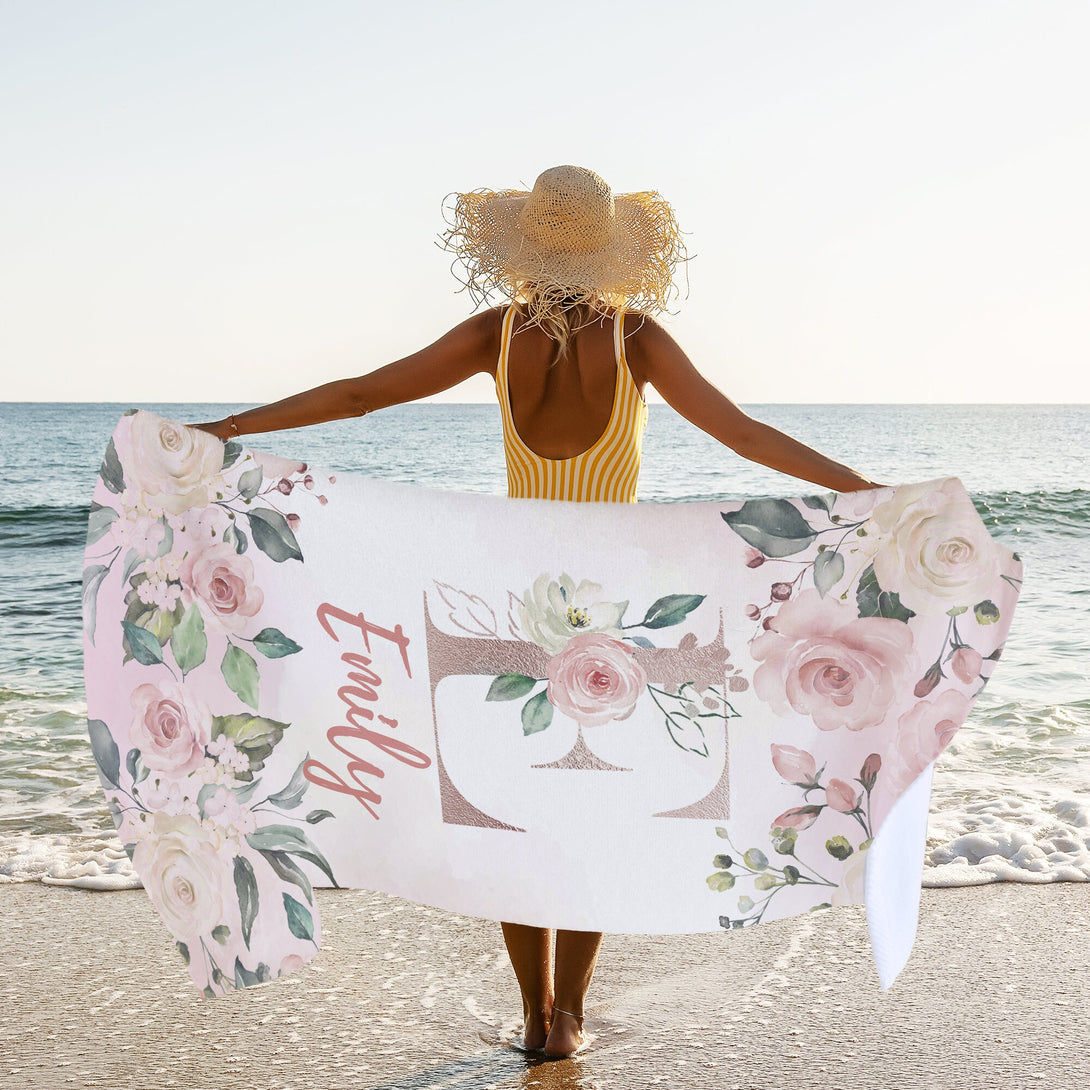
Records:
x=221, y=429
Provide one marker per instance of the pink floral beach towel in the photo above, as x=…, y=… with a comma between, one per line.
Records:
x=701, y=715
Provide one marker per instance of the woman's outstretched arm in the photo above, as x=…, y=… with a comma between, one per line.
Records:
x=465, y=350
x=659, y=359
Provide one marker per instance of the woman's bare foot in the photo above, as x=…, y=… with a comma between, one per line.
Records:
x=535, y=1029
x=565, y=1036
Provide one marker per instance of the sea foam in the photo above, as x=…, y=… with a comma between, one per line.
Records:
x=87, y=862
x=1021, y=839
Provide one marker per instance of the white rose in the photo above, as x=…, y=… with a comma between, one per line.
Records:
x=934, y=550
x=554, y=611
x=171, y=467
x=183, y=873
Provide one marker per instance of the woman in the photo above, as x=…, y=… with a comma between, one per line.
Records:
x=571, y=355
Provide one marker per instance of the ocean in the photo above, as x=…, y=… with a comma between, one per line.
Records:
x=1011, y=799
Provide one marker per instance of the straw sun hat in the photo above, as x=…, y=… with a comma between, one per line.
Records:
x=569, y=240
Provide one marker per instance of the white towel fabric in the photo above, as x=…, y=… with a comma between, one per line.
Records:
x=645, y=718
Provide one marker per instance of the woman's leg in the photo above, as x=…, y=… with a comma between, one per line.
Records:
x=576, y=956
x=531, y=951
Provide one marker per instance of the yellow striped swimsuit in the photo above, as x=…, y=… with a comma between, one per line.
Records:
x=607, y=470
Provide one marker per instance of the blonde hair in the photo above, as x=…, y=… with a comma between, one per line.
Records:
x=558, y=313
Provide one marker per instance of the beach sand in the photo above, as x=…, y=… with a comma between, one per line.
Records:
x=996, y=996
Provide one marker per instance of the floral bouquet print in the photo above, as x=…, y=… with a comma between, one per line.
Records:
x=297, y=679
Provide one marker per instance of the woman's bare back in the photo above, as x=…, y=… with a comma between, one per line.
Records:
x=561, y=408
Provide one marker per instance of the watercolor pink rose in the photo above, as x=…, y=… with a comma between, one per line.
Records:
x=592, y=662
x=819, y=658
x=170, y=726
x=923, y=732
x=595, y=680
x=222, y=584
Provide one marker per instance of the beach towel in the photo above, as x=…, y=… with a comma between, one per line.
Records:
x=640, y=718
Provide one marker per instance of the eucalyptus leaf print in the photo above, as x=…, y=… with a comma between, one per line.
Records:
x=775, y=527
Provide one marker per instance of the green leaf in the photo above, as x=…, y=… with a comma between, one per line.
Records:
x=272, y=535
x=986, y=612
x=247, y=978
x=824, y=502
x=775, y=527
x=184, y=951
x=188, y=641
x=240, y=672
x=134, y=765
x=249, y=484
x=235, y=537
x=168, y=539
x=288, y=870
x=723, y=862
x=143, y=645
x=277, y=838
x=132, y=561
x=221, y=933
x=287, y=838
x=510, y=687
x=873, y=601
x=113, y=476
x=670, y=610
x=300, y=921
x=99, y=522
x=721, y=881
x=765, y=881
x=641, y=641
x=289, y=797
x=755, y=859
x=104, y=749
x=318, y=815
x=231, y=452
x=244, y=794
x=154, y=620
x=828, y=571
x=537, y=713
x=204, y=794
x=273, y=644
x=254, y=735
x=92, y=580
x=791, y=874
x=246, y=888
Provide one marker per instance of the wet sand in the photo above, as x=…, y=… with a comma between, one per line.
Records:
x=996, y=996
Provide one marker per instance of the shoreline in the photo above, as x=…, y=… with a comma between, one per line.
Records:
x=405, y=997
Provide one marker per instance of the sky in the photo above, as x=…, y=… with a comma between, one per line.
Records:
x=234, y=200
